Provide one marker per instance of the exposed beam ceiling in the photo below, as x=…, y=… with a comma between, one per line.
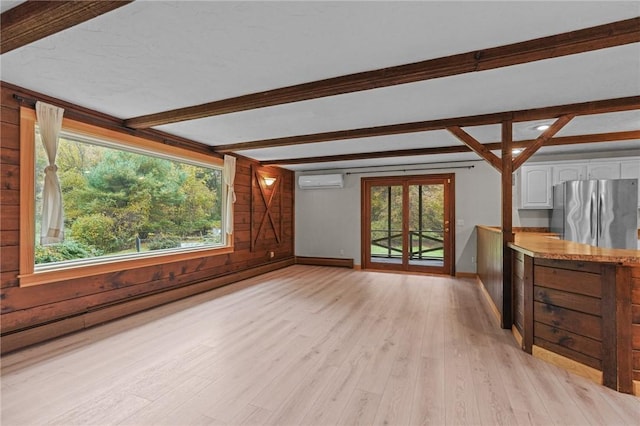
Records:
x=498, y=163
x=541, y=140
x=455, y=149
x=569, y=43
x=477, y=147
x=585, y=108
x=33, y=20
x=123, y=64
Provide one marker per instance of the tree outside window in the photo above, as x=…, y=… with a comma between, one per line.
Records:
x=119, y=202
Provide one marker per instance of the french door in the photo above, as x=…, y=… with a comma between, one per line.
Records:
x=407, y=223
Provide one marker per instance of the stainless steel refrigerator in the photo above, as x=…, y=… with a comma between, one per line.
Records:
x=601, y=213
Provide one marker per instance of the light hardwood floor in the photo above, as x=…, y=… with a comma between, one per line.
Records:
x=304, y=346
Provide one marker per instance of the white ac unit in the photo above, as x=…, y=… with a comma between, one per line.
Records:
x=321, y=181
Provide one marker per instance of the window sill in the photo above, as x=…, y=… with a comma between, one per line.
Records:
x=79, y=271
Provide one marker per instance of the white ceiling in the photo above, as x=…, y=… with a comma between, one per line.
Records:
x=152, y=56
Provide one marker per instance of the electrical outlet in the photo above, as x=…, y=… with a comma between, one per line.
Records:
x=341, y=252
x=473, y=259
x=271, y=255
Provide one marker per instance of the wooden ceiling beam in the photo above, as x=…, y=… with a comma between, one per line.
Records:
x=541, y=140
x=569, y=43
x=34, y=20
x=369, y=155
x=592, y=138
x=477, y=147
x=583, y=108
x=493, y=146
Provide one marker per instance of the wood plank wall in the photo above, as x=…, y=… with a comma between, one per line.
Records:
x=568, y=311
x=518, y=291
x=489, y=266
x=635, y=327
x=25, y=308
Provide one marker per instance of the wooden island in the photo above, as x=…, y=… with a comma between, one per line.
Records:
x=572, y=304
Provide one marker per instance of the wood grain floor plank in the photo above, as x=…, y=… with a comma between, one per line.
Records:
x=228, y=396
x=428, y=405
x=493, y=403
x=597, y=410
x=331, y=402
x=526, y=404
x=397, y=398
x=460, y=396
x=169, y=408
x=540, y=376
x=104, y=409
x=361, y=409
x=251, y=415
x=385, y=343
x=304, y=345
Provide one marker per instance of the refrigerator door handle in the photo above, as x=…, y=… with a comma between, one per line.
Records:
x=600, y=214
x=592, y=214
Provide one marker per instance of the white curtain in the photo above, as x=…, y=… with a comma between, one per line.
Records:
x=50, y=122
x=229, y=175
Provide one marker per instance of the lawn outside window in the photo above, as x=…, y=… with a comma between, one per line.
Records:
x=128, y=202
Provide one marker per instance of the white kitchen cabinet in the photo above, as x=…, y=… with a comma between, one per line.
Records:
x=535, y=181
x=630, y=169
x=536, y=187
x=563, y=172
x=603, y=170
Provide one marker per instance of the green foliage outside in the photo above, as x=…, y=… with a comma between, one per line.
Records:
x=113, y=198
x=160, y=242
x=96, y=230
x=386, y=217
x=67, y=250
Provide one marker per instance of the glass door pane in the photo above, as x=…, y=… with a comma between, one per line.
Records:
x=426, y=225
x=386, y=236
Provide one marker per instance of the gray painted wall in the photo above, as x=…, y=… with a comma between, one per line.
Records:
x=328, y=220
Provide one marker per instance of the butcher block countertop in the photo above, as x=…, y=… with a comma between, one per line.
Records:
x=549, y=246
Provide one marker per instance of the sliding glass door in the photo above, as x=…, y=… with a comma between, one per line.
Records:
x=387, y=240
x=406, y=223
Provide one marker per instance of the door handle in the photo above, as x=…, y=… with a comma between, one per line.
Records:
x=600, y=213
x=592, y=213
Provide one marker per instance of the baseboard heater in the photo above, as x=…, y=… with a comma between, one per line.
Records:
x=324, y=261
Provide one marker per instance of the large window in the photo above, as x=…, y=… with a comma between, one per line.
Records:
x=125, y=199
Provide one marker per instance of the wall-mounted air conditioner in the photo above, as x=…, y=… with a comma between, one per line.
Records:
x=321, y=181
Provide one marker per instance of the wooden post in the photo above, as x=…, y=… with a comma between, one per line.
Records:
x=507, y=222
x=609, y=327
x=624, y=319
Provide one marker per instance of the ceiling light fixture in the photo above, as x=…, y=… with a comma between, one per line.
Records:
x=269, y=180
x=542, y=127
x=516, y=151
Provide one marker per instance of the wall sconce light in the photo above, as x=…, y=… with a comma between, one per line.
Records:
x=269, y=180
